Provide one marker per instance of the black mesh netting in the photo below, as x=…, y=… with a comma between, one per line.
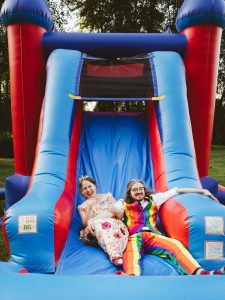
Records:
x=124, y=78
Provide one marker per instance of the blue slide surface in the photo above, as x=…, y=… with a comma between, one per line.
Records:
x=114, y=149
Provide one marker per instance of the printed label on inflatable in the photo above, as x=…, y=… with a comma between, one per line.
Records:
x=214, y=225
x=214, y=250
x=27, y=224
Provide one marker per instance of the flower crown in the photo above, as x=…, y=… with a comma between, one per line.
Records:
x=83, y=177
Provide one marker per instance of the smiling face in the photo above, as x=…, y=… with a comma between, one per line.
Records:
x=137, y=191
x=88, y=189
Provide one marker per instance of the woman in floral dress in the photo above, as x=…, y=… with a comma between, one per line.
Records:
x=111, y=233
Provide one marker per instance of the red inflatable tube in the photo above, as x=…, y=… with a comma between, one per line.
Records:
x=37, y=146
x=27, y=82
x=5, y=234
x=65, y=204
x=156, y=151
x=201, y=62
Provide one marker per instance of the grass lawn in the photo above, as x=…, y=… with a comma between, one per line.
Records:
x=217, y=170
x=217, y=164
x=6, y=169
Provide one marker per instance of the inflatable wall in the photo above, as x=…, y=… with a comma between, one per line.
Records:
x=55, y=142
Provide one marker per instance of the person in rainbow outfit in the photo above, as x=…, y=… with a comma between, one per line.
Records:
x=139, y=211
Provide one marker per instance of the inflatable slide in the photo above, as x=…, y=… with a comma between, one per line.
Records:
x=58, y=142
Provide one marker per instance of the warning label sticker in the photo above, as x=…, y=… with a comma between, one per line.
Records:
x=214, y=225
x=214, y=250
x=27, y=224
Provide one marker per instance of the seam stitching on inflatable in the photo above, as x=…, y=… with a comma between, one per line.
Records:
x=22, y=90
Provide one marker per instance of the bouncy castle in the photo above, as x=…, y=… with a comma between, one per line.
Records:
x=55, y=142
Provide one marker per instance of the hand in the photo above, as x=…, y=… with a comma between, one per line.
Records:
x=207, y=193
x=210, y=195
x=91, y=202
x=90, y=227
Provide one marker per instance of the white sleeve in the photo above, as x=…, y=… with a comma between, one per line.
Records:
x=160, y=198
x=119, y=205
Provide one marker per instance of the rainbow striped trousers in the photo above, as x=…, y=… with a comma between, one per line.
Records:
x=155, y=244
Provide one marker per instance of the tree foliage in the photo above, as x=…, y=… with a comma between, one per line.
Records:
x=219, y=119
x=125, y=16
x=117, y=15
x=60, y=13
x=5, y=123
x=5, y=113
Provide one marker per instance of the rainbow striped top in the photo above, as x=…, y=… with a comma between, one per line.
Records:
x=135, y=217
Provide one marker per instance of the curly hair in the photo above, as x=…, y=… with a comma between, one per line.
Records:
x=128, y=198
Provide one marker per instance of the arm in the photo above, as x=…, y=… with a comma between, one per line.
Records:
x=90, y=226
x=196, y=190
x=190, y=190
x=117, y=210
x=85, y=211
x=85, y=214
x=160, y=198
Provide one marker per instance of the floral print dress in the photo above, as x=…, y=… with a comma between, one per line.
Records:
x=111, y=233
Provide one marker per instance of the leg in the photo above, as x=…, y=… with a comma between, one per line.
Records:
x=173, y=249
x=201, y=271
x=112, y=236
x=133, y=255
x=179, y=255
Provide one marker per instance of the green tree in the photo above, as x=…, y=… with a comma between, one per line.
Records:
x=5, y=114
x=60, y=13
x=219, y=118
x=117, y=15
x=170, y=9
x=4, y=81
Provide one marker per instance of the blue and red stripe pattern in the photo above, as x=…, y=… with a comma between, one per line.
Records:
x=65, y=205
x=51, y=196
x=182, y=216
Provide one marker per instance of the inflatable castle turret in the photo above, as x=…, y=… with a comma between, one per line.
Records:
x=26, y=23
x=202, y=22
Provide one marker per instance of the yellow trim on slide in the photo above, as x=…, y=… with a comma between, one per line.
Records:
x=158, y=98
x=74, y=97
x=79, y=97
